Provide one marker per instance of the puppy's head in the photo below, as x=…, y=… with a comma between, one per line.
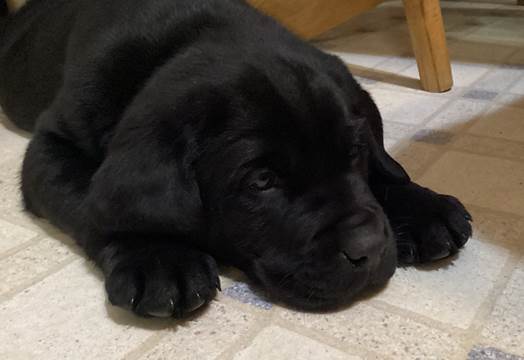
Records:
x=287, y=153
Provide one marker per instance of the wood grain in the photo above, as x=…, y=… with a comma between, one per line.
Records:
x=429, y=44
x=14, y=5
x=309, y=18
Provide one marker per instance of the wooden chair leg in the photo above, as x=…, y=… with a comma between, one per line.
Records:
x=428, y=37
x=14, y=5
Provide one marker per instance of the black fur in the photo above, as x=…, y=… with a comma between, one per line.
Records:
x=172, y=133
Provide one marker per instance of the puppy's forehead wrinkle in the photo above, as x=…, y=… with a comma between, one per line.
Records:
x=295, y=94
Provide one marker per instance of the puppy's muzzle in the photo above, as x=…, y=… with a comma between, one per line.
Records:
x=362, y=238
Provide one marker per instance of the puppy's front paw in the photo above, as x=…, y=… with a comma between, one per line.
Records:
x=162, y=282
x=428, y=226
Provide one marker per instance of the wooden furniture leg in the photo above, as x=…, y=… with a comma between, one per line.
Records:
x=310, y=18
x=14, y=5
x=429, y=44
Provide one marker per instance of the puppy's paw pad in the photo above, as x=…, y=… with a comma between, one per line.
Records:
x=163, y=286
x=430, y=226
x=434, y=244
x=457, y=219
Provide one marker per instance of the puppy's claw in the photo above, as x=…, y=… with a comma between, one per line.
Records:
x=197, y=303
x=164, y=313
x=407, y=254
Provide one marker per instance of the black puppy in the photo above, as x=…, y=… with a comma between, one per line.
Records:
x=170, y=133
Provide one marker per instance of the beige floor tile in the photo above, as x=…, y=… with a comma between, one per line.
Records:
x=406, y=108
x=12, y=145
x=369, y=49
x=204, y=337
x=393, y=145
x=397, y=64
x=29, y=263
x=507, y=31
x=383, y=333
x=398, y=131
x=475, y=52
x=497, y=228
x=414, y=156
x=276, y=343
x=356, y=58
x=499, y=79
x=490, y=146
x=433, y=291
x=10, y=185
x=512, y=100
x=479, y=180
x=65, y=317
x=517, y=58
x=501, y=122
x=456, y=115
x=505, y=326
x=381, y=18
x=394, y=41
x=11, y=205
x=411, y=84
x=350, y=48
x=518, y=88
x=13, y=235
x=474, y=5
x=464, y=74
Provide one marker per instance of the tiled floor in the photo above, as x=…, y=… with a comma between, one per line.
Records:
x=468, y=142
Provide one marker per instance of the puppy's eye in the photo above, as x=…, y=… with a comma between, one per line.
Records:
x=262, y=180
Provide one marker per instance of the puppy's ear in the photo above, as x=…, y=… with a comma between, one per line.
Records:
x=147, y=182
x=145, y=186
x=383, y=168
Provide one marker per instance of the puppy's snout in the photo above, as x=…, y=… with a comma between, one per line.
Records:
x=362, y=238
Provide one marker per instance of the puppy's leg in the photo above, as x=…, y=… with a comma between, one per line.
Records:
x=152, y=274
x=158, y=277
x=428, y=226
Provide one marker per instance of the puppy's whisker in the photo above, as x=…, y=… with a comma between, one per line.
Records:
x=401, y=227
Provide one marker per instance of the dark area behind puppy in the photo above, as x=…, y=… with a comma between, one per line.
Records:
x=171, y=134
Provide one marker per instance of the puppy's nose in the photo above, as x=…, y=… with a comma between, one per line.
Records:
x=362, y=238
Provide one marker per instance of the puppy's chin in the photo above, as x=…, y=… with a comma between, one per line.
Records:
x=323, y=293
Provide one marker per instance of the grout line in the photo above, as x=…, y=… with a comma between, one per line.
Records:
x=148, y=344
x=428, y=164
x=418, y=318
x=37, y=225
x=244, y=341
x=151, y=342
x=461, y=132
x=486, y=308
x=29, y=242
x=326, y=339
x=35, y=280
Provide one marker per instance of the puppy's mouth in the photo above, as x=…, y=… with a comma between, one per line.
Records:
x=337, y=287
